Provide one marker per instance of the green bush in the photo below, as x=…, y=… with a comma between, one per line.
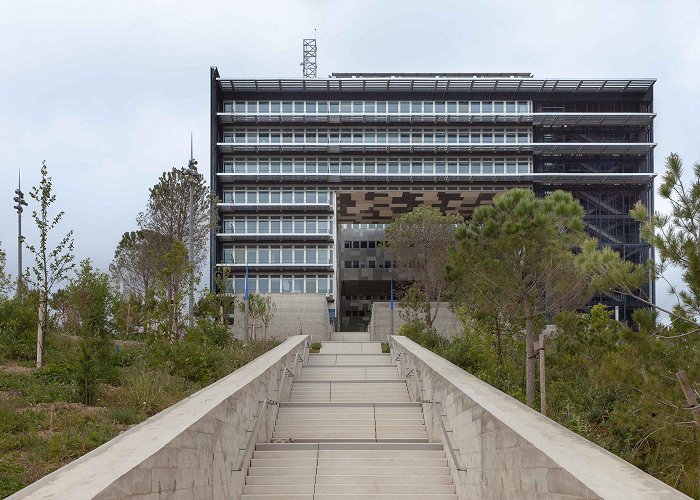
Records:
x=127, y=415
x=208, y=333
x=18, y=325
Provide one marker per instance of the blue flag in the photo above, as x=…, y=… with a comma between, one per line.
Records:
x=246, y=281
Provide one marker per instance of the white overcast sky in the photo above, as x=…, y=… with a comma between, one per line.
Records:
x=108, y=92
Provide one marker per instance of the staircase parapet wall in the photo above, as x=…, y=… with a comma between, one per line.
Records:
x=189, y=450
x=508, y=449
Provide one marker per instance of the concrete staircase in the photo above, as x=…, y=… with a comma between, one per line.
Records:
x=350, y=431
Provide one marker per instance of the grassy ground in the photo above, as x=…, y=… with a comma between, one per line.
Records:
x=42, y=427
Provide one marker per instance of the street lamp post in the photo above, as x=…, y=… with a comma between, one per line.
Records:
x=19, y=199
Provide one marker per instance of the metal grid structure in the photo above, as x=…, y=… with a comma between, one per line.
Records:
x=309, y=61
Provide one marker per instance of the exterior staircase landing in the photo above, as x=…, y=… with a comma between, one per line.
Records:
x=349, y=431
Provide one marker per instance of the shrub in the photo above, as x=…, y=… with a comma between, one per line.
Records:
x=315, y=347
x=18, y=322
x=151, y=391
x=127, y=415
x=208, y=333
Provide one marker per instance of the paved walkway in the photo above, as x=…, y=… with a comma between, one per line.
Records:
x=349, y=431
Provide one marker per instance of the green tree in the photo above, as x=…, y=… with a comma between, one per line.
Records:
x=616, y=386
x=420, y=243
x=51, y=265
x=267, y=314
x=138, y=259
x=167, y=211
x=525, y=259
x=170, y=279
x=5, y=279
x=90, y=295
x=676, y=237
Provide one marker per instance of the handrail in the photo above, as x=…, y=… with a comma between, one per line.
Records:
x=253, y=433
x=448, y=441
x=286, y=372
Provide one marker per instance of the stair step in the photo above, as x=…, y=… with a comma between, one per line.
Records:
x=278, y=489
x=395, y=488
x=384, y=479
x=282, y=471
x=356, y=434
x=326, y=447
x=385, y=496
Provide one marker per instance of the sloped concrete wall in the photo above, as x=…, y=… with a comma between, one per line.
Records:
x=509, y=450
x=380, y=325
x=297, y=313
x=190, y=450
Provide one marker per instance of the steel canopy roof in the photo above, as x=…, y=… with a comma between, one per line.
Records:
x=438, y=84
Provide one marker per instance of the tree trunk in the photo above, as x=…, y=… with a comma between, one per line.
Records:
x=689, y=394
x=530, y=360
x=221, y=315
x=41, y=330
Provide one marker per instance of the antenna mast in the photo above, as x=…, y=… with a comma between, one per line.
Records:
x=309, y=62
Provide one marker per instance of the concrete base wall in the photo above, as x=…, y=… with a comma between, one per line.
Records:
x=380, y=325
x=508, y=450
x=297, y=314
x=190, y=450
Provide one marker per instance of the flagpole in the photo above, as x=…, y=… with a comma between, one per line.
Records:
x=247, y=332
x=391, y=301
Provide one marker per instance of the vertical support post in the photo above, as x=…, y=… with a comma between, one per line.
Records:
x=19, y=199
x=191, y=251
x=543, y=397
x=391, y=303
x=19, y=254
x=247, y=308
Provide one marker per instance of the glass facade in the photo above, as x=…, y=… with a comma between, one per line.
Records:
x=442, y=165
x=370, y=107
x=318, y=136
x=310, y=172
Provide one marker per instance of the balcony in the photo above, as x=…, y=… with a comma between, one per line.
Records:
x=275, y=237
x=274, y=207
x=278, y=266
x=538, y=119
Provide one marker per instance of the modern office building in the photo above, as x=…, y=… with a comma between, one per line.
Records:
x=309, y=171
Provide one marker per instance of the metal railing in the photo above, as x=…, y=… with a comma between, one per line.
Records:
x=445, y=433
x=286, y=373
x=436, y=405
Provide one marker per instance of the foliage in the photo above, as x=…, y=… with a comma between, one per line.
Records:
x=609, y=383
x=138, y=259
x=314, y=347
x=261, y=310
x=51, y=265
x=616, y=386
x=676, y=237
x=522, y=260
x=419, y=242
x=90, y=296
x=18, y=322
x=5, y=279
x=167, y=212
x=218, y=304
